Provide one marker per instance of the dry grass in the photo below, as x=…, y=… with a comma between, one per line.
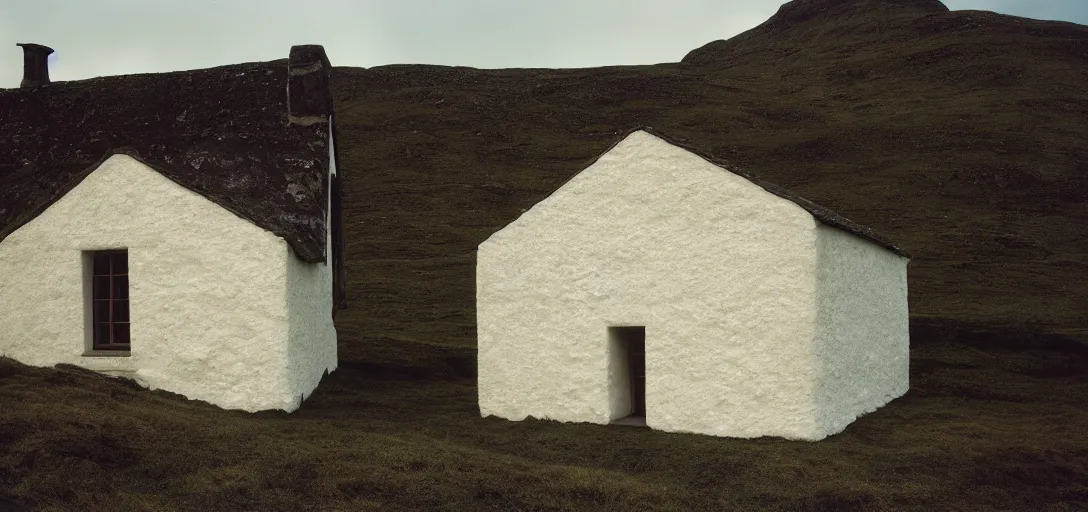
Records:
x=981, y=429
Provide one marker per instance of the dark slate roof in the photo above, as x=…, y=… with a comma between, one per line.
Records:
x=221, y=132
x=821, y=213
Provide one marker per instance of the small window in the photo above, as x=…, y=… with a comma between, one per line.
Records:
x=109, y=296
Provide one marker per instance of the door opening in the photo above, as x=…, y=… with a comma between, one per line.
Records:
x=628, y=373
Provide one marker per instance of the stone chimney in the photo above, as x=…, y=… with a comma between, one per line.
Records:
x=35, y=64
x=309, y=86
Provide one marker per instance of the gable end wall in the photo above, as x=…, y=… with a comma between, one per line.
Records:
x=721, y=273
x=208, y=289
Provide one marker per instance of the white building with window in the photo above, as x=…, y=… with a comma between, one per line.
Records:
x=657, y=287
x=180, y=229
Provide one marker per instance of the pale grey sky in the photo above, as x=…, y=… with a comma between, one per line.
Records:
x=110, y=37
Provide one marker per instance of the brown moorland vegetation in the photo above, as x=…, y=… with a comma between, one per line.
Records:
x=960, y=136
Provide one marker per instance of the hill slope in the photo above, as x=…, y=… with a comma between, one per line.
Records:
x=957, y=135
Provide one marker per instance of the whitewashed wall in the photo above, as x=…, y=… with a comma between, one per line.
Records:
x=862, y=335
x=721, y=273
x=208, y=303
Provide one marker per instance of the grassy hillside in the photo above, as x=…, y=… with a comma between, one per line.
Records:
x=997, y=428
x=957, y=135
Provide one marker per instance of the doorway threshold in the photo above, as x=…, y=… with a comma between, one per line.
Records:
x=631, y=421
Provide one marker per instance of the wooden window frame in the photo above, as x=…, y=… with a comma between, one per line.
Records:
x=109, y=307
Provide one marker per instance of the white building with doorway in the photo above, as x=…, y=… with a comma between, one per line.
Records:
x=659, y=287
x=180, y=229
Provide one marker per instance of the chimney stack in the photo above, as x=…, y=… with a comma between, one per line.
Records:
x=309, y=87
x=35, y=64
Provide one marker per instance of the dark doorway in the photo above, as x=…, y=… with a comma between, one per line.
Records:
x=632, y=342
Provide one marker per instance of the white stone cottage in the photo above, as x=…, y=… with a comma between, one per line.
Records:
x=656, y=286
x=182, y=229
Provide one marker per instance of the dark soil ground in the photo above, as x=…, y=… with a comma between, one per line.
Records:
x=958, y=136
x=983, y=428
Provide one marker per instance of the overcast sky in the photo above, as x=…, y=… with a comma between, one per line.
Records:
x=110, y=37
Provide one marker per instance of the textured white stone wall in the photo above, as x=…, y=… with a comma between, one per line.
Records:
x=209, y=310
x=862, y=335
x=312, y=346
x=721, y=273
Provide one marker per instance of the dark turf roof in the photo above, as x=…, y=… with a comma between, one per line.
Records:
x=222, y=132
x=821, y=213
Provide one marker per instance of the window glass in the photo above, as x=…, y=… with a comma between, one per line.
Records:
x=120, y=311
x=101, y=287
x=101, y=311
x=120, y=287
x=101, y=264
x=119, y=263
x=101, y=334
x=120, y=333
